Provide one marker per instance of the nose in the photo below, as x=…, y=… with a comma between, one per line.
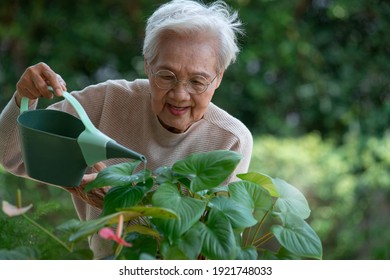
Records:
x=180, y=91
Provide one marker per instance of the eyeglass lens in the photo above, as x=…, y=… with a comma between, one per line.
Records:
x=166, y=79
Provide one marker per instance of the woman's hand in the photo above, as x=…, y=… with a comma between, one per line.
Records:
x=95, y=196
x=35, y=80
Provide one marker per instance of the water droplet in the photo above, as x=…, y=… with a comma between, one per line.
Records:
x=145, y=161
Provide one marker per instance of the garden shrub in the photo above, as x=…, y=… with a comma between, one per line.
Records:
x=347, y=186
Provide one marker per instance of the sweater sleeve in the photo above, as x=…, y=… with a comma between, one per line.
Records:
x=10, y=153
x=245, y=149
x=244, y=146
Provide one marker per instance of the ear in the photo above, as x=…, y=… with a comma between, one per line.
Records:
x=219, y=79
x=146, y=67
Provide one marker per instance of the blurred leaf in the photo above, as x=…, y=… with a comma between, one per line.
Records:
x=152, y=211
x=143, y=246
x=79, y=254
x=20, y=253
x=142, y=230
x=83, y=229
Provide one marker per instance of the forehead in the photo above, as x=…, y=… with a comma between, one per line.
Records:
x=196, y=54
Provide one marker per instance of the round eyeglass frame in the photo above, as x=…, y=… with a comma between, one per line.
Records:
x=187, y=83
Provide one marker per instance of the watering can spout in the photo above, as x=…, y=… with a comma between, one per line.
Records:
x=115, y=150
x=94, y=144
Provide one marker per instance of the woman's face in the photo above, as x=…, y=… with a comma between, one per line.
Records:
x=186, y=57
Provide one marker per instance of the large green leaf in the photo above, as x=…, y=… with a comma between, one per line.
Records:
x=189, y=210
x=247, y=253
x=207, y=170
x=251, y=196
x=244, y=253
x=143, y=245
x=239, y=215
x=187, y=247
x=172, y=252
x=298, y=237
x=261, y=179
x=290, y=200
x=119, y=175
x=123, y=197
x=218, y=238
x=69, y=227
x=83, y=229
x=164, y=174
x=20, y=253
x=151, y=211
x=144, y=230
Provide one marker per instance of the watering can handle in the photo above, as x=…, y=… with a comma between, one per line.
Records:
x=76, y=105
x=79, y=110
x=92, y=141
x=24, y=104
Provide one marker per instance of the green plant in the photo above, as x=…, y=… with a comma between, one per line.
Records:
x=187, y=212
x=349, y=180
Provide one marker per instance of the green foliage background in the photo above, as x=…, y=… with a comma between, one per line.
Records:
x=312, y=83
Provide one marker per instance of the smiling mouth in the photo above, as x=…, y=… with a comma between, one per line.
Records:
x=177, y=111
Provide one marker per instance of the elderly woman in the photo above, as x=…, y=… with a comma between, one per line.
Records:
x=166, y=117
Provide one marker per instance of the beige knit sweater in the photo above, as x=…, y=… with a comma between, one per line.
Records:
x=122, y=110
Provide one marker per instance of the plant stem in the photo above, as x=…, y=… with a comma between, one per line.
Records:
x=261, y=222
x=119, y=228
x=259, y=226
x=31, y=221
x=18, y=198
x=247, y=237
x=118, y=250
x=263, y=239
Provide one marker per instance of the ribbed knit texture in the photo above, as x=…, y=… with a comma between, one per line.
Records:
x=122, y=110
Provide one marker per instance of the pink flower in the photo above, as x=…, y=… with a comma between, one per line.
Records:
x=108, y=233
x=12, y=211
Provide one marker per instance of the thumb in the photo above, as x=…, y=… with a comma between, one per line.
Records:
x=87, y=178
x=99, y=166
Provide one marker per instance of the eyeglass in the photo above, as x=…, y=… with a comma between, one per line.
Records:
x=165, y=79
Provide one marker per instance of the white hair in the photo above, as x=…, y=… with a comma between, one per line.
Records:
x=189, y=17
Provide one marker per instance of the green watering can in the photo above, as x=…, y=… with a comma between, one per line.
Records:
x=57, y=147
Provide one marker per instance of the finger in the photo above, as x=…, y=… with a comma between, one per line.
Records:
x=99, y=166
x=87, y=178
x=60, y=80
x=26, y=92
x=51, y=78
x=40, y=85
